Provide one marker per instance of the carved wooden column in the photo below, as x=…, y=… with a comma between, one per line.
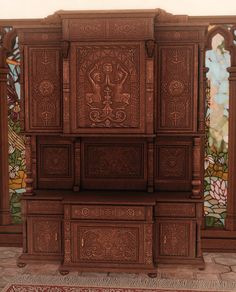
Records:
x=150, y=48
x=230, y=221
x=197, y=161
x=66, y=88
x=4, y=176
x=29, y=144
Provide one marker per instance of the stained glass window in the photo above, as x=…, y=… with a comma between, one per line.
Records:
x=16, y=141
x=216, y=150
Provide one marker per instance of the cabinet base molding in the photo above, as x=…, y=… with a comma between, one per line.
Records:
x=65, y=269
x=27, y=258
x=197, y=262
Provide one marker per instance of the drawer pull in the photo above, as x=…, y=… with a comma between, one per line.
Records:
x=82, y=242
x=165, y=239
x=56, y=236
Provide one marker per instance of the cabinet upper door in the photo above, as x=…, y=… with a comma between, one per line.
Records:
x=43, y=94
x=107, y=87
x=177, y=91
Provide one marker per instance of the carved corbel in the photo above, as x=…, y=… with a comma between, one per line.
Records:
x=65, y=49
x=150, y=48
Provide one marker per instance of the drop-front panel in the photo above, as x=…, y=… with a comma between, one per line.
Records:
x=112, y=107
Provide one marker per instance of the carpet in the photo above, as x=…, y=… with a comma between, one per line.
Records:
x=56, y=288
x=43, y=283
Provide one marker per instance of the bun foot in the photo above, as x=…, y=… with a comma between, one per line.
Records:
x=21, y=265
x=64, y=272
x=152, y=275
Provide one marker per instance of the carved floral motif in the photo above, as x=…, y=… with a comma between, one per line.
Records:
x=174, y=239
x=172, y=162
x=55, y=161
x=114, y=161
x=109, y=244
x=47, y=236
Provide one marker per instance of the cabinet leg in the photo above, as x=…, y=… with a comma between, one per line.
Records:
x=21, y=265
x=152, y=275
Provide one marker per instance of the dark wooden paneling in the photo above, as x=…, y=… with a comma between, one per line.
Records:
x=112, y=164
x=177, y=87
x=43, y=88
x=56, y=165
x=173, y=164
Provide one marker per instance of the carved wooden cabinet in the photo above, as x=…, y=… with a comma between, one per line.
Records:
x=43, y=227
x=109, y=234
x=113, y=105
x=177, y=230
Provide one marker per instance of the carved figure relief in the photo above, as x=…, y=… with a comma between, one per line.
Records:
x=108, y=91
x=176, y=87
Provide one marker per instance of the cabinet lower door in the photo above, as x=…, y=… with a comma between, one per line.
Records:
x=175, y=238
x=111, y=243
x=44, y=235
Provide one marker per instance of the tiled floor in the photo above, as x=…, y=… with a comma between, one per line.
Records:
x=219, y=266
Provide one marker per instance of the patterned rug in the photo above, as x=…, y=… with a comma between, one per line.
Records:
x=56, y=288
x=39, y=283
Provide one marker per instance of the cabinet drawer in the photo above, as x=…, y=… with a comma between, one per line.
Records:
x=44, y=207
x=108, y=212
x=175, y=210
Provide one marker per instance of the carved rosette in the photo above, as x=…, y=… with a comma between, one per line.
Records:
x=108, y=90
x=118, y=213
x=172, y=162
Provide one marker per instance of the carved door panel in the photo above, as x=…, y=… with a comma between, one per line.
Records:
x=173, y=163
x=176, y=238
x=43, y=89
x=107, y=86
x=44, y=235
x=177, y=88
x=110, y=243
x=55, y=167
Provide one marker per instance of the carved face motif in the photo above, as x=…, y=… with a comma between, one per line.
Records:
x=107, y=67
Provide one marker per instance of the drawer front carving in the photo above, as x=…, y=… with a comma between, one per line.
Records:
x=44, y=235
x=44, y=207
x=43, y=91
x=175, y=210
x=107, y=88
x=108, y=212
x=104, y=243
